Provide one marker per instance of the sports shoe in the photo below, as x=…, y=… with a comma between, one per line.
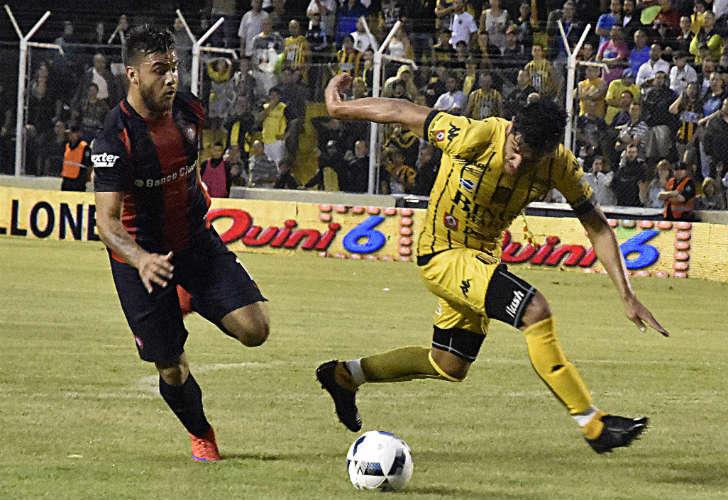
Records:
x=344, y=399
x=204, y=449
x=616, y=432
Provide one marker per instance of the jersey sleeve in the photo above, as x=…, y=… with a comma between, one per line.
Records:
x=457, y=135
x=112, y=170
x=569, y=179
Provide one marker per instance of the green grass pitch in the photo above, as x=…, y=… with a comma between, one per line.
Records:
x=80, y=415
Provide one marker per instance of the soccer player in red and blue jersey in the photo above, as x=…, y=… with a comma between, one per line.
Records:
x=151, y=213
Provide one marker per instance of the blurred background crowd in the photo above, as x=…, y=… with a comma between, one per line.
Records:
x=651, y=118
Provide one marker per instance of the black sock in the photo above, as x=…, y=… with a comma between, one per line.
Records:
x=186, y=402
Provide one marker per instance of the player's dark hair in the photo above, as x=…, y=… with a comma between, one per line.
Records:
x=541, y=124
x=147, y=39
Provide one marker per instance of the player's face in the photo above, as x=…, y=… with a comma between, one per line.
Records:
x=517, y=155
x=158, y=80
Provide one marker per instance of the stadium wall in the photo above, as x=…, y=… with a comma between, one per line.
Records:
x=651, y=248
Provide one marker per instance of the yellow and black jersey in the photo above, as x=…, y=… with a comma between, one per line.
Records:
x=485, y=103
x=473, y=201
x=540, y=74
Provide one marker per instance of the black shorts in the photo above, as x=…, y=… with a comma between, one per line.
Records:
x=210, y=272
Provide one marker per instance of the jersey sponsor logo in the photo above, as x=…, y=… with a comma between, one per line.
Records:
x=450, y=221
x=104, y=160
x=465, y=287
x=439, y=135
x=512, y=308
x=152, y=182
x=453, y=132
x=467, y=185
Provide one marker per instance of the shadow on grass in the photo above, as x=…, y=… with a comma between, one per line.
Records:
x=275, y=457
x=446, y=492
x=700, y=474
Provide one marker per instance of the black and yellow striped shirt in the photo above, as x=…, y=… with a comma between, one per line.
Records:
x=485, y=104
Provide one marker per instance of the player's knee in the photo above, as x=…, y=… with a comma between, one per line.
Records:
x=174, y=371
x=449, y=366
x=255, y=334
x=248, y=324
x=538, y=310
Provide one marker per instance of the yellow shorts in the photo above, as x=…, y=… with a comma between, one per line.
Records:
x=460, y=277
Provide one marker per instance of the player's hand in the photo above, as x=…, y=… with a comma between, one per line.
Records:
x=338, y=85
x=639, y=315
x=155, y=268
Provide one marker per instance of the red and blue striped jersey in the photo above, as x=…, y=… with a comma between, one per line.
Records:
x=154, y=165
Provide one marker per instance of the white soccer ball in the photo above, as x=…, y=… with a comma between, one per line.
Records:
x=379, y=460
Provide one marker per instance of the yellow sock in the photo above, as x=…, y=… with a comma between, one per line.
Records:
x=405, y=363
x=554, y=369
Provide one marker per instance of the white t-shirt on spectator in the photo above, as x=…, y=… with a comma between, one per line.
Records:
x=100, y=82
x=679, y=79
x=327, y=21
x=463, y=25
x=449, y=101
x=250, y=25
x=649, y=69
x=362, y=41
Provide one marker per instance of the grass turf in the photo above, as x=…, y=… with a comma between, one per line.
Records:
x=81, y=417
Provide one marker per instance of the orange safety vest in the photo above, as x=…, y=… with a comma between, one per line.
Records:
x=72, y=160
x=679, y=209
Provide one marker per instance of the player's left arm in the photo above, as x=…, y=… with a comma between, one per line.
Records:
x=570, y=181
x=607, y=249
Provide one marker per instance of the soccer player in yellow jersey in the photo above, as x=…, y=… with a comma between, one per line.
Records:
x=490, y=171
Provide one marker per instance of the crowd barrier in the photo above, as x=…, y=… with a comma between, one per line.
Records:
x=651, y=248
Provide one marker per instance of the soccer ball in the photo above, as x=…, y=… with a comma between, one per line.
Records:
x=379, y=460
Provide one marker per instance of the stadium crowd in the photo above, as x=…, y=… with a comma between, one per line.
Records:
x=652, y=109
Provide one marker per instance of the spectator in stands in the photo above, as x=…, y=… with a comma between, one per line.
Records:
x=687, y=108
x=267, y=48
x=52, y=149
x=362, y=39
x=98, y=37
x=401, y=175
x=91, y=113
x=120, y=32
x=427, y=166
x=573, y=29
x=657, y=185
x=622, y=116
x=516, y=100
x=594, y=89
x=325, y=10
x=711, y=196
x=390, y=12
x=66, y=37
x=715, y=141
x=421, y=27
x=347, y=16
x=453, y=100
x=713, y=99
x=681, y=73
x=347, y=59
x=293, y=95
x=630, y=20
x=251, y=25
x=442, y=52
x=357, y=169
x=108, y=90
x=216, y=173
x=262, y=170
x=183, y=49
x=404, y=140
x=608, y=20
x=485, y=101
x=435, y=86
x=406, y=76
x=43, y=103
x=444, y=11
x=679, y=195
x=320, y=55
x=709, y=36
x=685, y=36
x=614, y=94
x=614, y=53
x=600, y=180
x=331, y=173
x=76, y=162
x=222, y=95
x=654, y=65
x=279, y=15
x=514, y=56
x=297, y=50
x=633, y=132
x=243, y=82
x=668, y=17
x=400, y=45
x=656, y=102
x=640, y=53
x=526, y=23
x=630, y=178
x=591, y=131
x=541, y=73
x=494, y=20
x=240, y=128
x=274, y=123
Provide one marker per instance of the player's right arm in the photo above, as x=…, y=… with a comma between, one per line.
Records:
x=111, y=180
x=375, y=109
